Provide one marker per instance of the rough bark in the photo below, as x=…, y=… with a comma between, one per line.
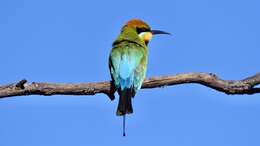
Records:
x=245, y=86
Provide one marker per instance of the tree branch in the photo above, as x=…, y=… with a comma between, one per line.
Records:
x=245, y=86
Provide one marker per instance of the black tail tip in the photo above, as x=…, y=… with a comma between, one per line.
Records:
x=124, y=134
x=122, y=112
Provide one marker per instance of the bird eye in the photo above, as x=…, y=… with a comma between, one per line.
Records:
x=142, y=29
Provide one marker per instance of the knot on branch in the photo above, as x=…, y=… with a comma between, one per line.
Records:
x=20, y=84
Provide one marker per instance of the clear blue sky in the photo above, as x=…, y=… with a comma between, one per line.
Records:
x=69, y=41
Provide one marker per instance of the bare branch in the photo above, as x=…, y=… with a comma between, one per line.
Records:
x=245, y=86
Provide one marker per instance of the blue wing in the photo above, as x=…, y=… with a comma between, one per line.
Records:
x=124, y=63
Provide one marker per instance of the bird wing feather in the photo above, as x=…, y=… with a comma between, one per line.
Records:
x=123, y=63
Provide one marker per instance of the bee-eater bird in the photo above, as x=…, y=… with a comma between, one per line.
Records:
x=128, y=62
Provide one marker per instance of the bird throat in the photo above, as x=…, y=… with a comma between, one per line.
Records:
x=146, y=42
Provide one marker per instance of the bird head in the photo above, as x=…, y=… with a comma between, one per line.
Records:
x=142, y=29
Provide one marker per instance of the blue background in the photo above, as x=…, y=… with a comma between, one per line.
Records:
x=69, y=41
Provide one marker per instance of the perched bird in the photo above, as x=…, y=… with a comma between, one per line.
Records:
x=128, y=62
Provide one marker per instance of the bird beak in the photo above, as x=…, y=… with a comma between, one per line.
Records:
x=154, y=32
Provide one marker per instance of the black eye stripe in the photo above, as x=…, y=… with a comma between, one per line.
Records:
x=142, y=29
